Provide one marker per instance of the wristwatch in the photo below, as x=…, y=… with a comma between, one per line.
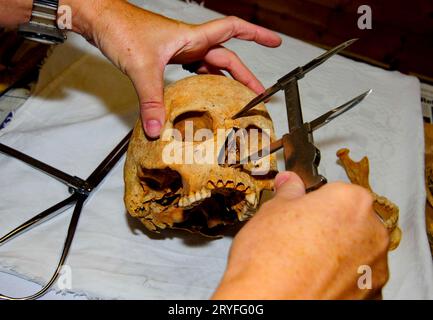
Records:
x=42, y=26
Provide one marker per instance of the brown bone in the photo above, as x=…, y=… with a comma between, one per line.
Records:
x=197, y=196
x=358, y=173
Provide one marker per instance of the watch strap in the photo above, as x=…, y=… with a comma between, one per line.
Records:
x=42, y=26
x=51, y=3
x=45, y=12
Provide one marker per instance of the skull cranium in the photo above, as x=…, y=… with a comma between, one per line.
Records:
x=196, y=196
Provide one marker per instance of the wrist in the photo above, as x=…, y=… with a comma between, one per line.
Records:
x=81, y=14
x=84, y=13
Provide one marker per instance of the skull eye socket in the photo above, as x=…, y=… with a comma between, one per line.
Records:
x=189, y=123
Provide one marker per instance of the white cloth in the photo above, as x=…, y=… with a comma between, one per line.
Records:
x=82, y=108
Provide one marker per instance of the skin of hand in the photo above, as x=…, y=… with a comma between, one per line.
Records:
x=141, y=44
x=310, y=246
x=13, y=13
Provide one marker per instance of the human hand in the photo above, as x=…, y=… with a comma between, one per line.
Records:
x=142, y=43
x=301, y=246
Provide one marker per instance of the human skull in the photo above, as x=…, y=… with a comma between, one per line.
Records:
x=197, y=196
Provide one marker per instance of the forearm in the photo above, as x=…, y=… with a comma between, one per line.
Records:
x=310, y=247
x=293, y=276
x=13, y=13
x=83, y=12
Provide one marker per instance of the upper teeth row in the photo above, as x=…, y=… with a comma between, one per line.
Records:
x=195, y=198
x=186, y=201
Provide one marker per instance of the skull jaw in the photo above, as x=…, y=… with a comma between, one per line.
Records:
x=197, y=198
x=223, y=203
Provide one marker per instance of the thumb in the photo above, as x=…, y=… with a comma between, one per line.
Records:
x=289, y=185
x=149, y=84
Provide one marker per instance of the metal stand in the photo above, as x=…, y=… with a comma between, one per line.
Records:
x=80, y=191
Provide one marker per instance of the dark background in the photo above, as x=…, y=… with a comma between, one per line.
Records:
x=401, y=37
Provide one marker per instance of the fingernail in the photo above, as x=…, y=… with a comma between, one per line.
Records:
x=153, y=128
x=282, y=178
x=289, y=185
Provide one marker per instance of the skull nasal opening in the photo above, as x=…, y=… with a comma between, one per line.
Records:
x=192, y=121
x=160, y=179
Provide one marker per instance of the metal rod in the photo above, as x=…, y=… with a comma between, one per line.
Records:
x=66, y=247
x=78, y=196
x=40, y=218
x=109, y=162
x=295, y=74
x=49, y=170
x=334, y=113
x=293, y=106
